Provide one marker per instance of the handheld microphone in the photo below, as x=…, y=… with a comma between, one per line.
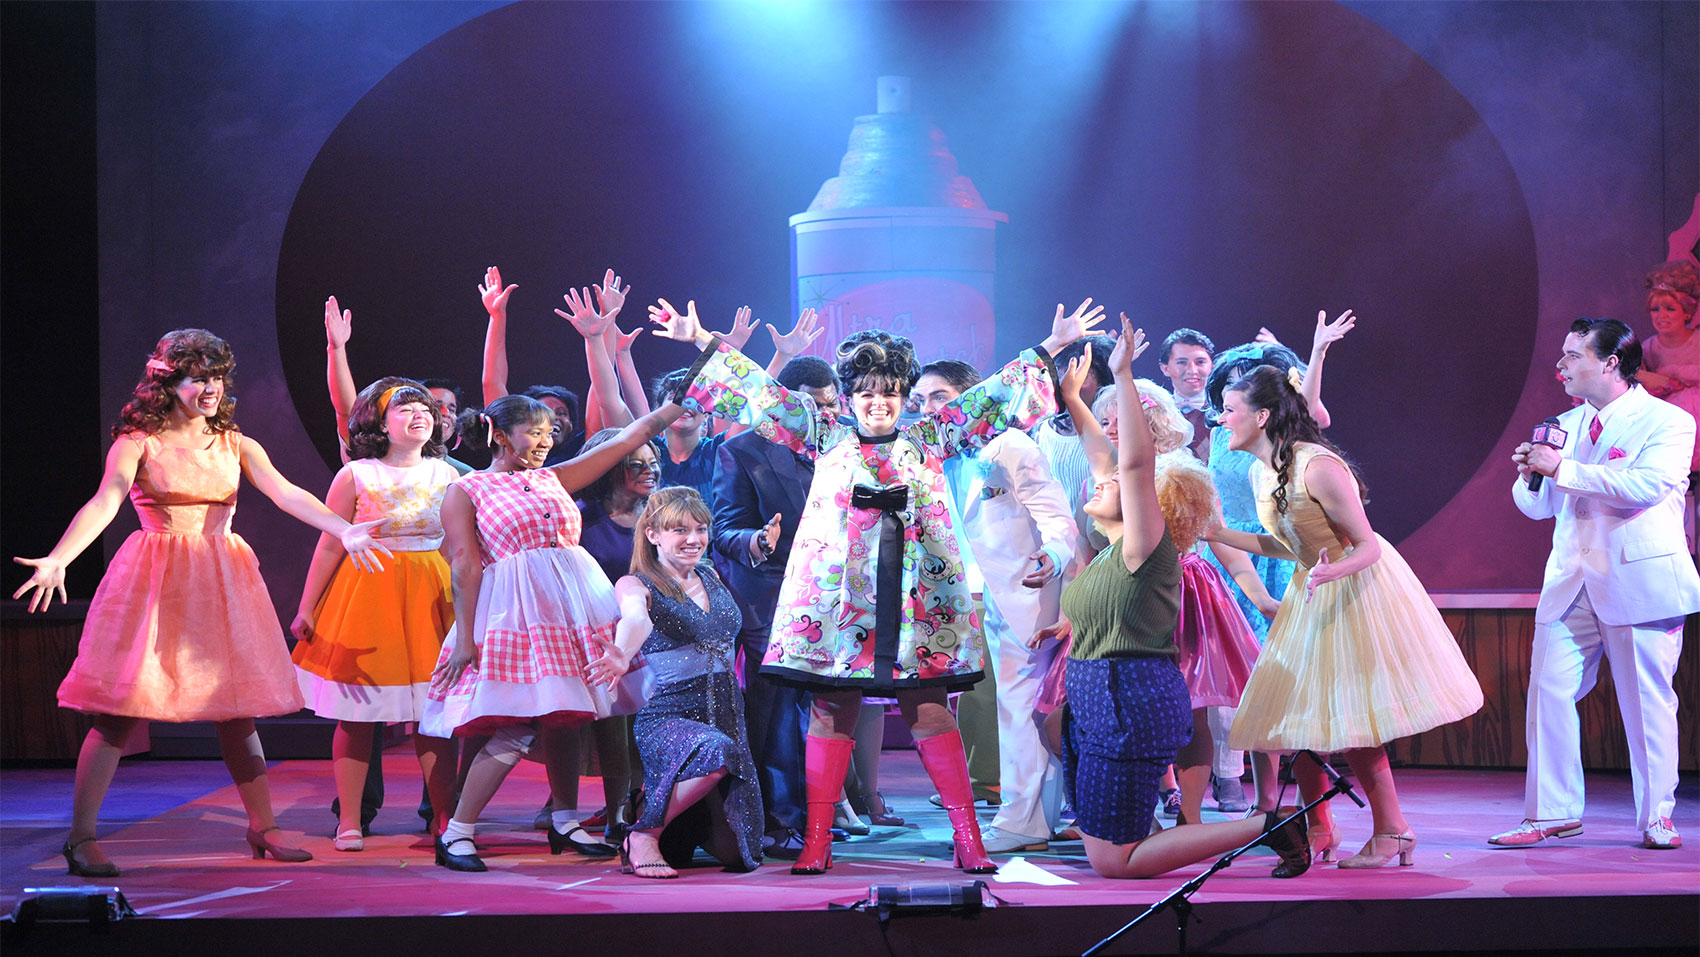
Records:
x=1550, y=435
x=1341, y=784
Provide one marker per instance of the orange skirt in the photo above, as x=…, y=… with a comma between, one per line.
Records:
x=375, y=639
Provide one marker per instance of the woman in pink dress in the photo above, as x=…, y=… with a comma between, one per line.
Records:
x=181, y=628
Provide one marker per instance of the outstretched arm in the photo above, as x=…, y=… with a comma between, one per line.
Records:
x=629, y=635
x=1015, y=397
x=1142, y=519
x=495, y=297
x=794, y=343
x=1244, y=574
x=356, y=539
x=631, y=384
x=339, y=326
x=1326, y=334
x=729, y=385
x=593, y=323
x=576, y=473
x=1100, y=451
x=48, y=576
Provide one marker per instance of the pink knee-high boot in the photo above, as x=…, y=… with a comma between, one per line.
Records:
x=947, y=765
x=824, y=762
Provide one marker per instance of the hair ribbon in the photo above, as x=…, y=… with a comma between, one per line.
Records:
x=384, y=400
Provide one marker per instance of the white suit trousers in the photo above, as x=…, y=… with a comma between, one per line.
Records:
x=1029, y=778
x=1563, y=669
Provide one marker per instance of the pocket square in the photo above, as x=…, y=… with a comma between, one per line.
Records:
x=1615, y=453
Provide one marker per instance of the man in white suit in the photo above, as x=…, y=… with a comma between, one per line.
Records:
x=1017, y=524
x=1619, y=583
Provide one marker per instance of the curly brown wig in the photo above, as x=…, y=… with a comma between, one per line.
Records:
x=181, y=354
x=367, y=437
x=1289, y=423
x=876, y=359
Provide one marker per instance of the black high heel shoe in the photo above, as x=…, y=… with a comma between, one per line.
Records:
x=459, y=862
x=650, y=870
x=77, y=868
x=263, y=845
x=559, y=842
x=1291, y=843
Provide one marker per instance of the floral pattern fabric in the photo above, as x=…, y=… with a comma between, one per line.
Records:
x=823, y=630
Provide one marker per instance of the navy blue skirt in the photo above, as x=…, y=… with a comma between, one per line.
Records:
x=1124, y=721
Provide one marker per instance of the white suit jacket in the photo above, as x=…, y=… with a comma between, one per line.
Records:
x=1011, y=507
x=1619, y=528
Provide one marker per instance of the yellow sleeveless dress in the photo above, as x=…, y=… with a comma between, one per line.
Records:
x=1365, y=660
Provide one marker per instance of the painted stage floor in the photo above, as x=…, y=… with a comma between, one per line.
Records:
x=176, y=827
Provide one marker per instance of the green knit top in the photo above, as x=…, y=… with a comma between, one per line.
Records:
x=1121, y=614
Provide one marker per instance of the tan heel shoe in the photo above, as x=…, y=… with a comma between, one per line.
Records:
x=1404, y=846
x=1324, y=841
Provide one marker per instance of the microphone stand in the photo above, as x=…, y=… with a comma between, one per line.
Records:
x=1180, y=900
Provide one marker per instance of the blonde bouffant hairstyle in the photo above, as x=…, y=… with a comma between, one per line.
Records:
x=1187, y=495
x=1169, y=428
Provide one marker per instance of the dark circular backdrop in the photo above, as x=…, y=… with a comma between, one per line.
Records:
x=1225, y=166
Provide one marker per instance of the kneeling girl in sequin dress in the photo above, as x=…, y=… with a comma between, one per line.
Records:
x=700, y=787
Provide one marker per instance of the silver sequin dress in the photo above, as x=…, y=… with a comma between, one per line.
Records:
x=694, y=725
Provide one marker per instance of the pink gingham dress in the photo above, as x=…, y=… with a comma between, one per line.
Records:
x=541, y=603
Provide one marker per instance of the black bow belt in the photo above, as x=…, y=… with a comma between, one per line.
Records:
x=890, y=502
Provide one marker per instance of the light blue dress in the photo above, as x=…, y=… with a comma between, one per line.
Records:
x=1232, y=471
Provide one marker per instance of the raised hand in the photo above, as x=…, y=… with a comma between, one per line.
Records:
x=611, y=295
x=362, y=549
x=676, y=325
x=802, y=335
x=609, y=667
x=1077, y=324
x=1327, y=332
x=1129, y=346
x=584, y=317
x=618, y=341
x=742, y=326
x=494, y=295
x=49, y=577
x=1265, y=337
x=339, y=324
x=1075, y=375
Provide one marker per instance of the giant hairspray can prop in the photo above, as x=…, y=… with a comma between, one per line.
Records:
x=899, y=240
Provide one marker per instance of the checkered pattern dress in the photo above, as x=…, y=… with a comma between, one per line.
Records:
x=542, y=602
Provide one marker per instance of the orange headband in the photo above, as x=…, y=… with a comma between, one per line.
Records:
x=384, y=400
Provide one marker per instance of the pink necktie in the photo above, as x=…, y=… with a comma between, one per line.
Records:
x=1594, y=430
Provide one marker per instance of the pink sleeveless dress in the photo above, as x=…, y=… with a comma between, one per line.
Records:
x=181, y=628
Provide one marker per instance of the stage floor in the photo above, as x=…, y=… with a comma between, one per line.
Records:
x=175, y=827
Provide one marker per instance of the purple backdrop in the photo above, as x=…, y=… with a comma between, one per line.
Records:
x=1468, y=177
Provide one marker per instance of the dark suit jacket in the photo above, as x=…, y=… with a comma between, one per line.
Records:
x=753, y=479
